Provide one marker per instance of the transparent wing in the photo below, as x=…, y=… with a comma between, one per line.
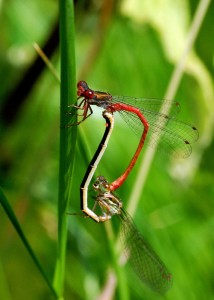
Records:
x=145, y=262
x=171, y=135
x=150, y=105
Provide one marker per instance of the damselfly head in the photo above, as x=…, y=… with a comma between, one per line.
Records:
x=101, y=184
x=84, y=91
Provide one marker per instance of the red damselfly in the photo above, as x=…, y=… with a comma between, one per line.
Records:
x=143, y=259
x=144, y=118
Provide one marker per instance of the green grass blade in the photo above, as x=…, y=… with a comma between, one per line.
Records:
x=11, y=215
x=67, y=135
x=119, y=271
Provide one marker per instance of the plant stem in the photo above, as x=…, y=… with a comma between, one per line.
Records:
x=67, y=134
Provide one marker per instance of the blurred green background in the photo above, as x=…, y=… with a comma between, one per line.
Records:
x=128, y=48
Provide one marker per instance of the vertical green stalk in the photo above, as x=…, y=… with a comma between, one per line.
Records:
x=123, y=291
x=67, y=134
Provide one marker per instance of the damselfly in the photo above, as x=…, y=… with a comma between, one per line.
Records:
x=145, y=262
x=144, y=118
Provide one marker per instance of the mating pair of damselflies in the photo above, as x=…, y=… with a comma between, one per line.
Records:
x=175, y=137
